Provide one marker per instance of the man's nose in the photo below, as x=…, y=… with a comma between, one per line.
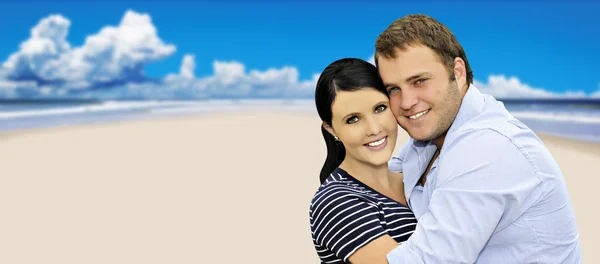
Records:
x=408, y=99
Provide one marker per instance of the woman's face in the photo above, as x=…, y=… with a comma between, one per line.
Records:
x=365, y=125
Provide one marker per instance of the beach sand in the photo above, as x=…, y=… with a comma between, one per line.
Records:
x=226, y=188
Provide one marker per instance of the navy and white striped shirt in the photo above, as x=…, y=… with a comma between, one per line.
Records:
x=346, y=214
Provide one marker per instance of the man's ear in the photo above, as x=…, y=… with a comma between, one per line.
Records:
x=460, y=72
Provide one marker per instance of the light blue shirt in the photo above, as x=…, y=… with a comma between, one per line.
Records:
x=495, y=194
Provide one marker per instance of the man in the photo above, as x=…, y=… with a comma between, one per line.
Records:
x=484, y=188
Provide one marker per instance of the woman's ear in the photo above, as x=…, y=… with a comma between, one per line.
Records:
x=329, y=129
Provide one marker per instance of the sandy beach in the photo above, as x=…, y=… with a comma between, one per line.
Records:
x=223, y=188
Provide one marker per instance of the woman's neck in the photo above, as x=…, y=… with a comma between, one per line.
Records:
x=379, y=178
x=369, y=174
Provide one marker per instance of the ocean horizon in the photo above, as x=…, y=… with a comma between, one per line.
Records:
x=572, y=118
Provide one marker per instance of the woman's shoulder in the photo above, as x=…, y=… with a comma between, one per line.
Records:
x=336, y=179
x=336, y=189
x=333, y=186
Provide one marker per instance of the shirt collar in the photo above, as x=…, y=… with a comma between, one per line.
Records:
x=472, y=105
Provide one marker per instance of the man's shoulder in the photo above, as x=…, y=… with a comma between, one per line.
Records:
x=487, y=141
x=493, y=131
x=495, y=135
x=489, y=136
x=495, y=123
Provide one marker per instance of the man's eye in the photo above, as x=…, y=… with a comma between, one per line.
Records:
x=393, y=89
x=420, y=81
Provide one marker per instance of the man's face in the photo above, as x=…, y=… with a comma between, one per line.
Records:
x=423, y=97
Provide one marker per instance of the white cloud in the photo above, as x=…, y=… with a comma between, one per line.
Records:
x=230, y=79
x=188, y=66
x=597, y=93
x=114, y=54
x=502, y=87
x=11, y=89
x=47, y=43
x=113, y=60
x=371, y=59
x=110, y=64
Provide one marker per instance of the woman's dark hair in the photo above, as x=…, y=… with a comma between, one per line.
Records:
x=348, y=74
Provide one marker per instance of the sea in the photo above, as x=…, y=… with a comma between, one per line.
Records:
x=577, y=119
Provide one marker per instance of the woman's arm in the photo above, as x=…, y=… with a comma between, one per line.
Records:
x=349, y=226
x=374, y=252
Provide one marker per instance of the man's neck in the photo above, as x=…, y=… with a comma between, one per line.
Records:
x=439, y=142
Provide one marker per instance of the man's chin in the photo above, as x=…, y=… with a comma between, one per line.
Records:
x=418, y=133
x=420, y=136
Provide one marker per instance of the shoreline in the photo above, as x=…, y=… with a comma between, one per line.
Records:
x=545, y=136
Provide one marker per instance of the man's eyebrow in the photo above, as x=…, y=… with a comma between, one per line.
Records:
x=410, y=79
x=417, y=76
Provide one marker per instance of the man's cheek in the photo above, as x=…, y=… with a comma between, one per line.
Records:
x=395, y=105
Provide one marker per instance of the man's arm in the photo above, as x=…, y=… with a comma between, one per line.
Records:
x=483, y=181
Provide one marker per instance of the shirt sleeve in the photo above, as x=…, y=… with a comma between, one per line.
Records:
x=479, y=188
x=395, y=163
x=343, y=222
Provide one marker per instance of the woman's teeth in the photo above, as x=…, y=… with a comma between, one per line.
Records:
x=377, y=143
x=418, y=115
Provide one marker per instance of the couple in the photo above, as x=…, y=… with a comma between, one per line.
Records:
x=472, y=185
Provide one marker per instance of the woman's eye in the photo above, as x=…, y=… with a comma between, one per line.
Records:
x=380, y=108
x=352, y=120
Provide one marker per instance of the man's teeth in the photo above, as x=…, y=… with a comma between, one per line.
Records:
x=376, y=143
x=418, y=115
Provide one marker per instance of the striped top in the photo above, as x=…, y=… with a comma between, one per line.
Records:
x=346, y=214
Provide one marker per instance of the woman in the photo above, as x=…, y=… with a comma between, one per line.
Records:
x=359, y=212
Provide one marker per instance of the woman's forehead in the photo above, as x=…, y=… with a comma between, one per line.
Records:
x=357, y=101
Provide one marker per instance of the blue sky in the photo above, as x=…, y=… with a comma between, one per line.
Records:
x=515, y=49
